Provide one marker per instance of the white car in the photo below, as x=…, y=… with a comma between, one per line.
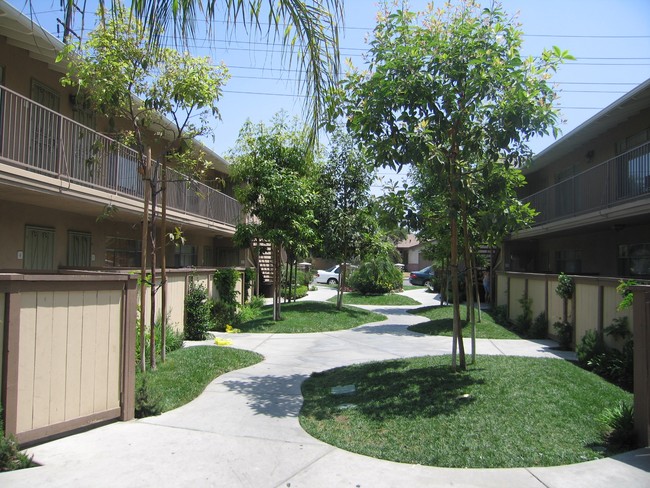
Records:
x=331, y=276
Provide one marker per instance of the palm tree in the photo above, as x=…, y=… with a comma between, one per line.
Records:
x=307, y=30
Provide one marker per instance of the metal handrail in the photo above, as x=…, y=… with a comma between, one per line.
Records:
x=43, y=141
x=618, y=180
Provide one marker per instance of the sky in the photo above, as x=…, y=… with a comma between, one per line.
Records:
x=609, y=38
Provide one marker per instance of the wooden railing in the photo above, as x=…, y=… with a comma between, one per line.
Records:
x=43, y=141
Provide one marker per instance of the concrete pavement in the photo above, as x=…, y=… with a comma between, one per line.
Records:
x=243, y=430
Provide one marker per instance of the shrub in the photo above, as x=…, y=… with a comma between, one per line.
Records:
x=298, y=292
x=539, y=329
x=618, y=428
x=524, y=321
x=256, y=302
x=225, y=281
x=500, y=315
x=173, y=340
x=247, y=313
x=565, y=287
x=225, y=310
x=591, y=345
x=376, y=276
x=198, y=312
x=619, y=328
x=564, y=331
x=146, y=403
x=225, y=313
x=615, y=366
x=10, y=456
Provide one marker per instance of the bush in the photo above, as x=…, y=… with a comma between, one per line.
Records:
x=591, y=345
x=500, y=315
x=298, y=292
x=619, y=328
x=225, y=313
x=565, y=287
x=146, y=403
x=525, y=321
x=173, y=340
x=564, y=331
x=225, y=281
x=615, y=366
x=10, y=456
x=539, y=329
x=376, y=276
x=256, y=302
x=618, y=428
x=198, y=312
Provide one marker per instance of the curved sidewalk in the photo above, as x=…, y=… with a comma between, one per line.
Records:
x=243, y=430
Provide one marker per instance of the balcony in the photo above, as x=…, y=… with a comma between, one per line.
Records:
x=40, y=140
x=623, y=181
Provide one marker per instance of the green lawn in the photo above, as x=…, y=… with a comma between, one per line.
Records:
x=308, y=316
x=441, y=323
x=354, y=298
x=186, y=372
x=503, y=412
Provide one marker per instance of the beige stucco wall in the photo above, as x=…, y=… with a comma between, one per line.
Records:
x=69, y=354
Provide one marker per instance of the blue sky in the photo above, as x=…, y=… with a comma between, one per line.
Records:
x=610, y=39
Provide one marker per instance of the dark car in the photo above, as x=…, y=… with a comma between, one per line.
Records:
x=424, y=277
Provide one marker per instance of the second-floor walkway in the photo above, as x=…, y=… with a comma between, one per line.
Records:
x=43, y=142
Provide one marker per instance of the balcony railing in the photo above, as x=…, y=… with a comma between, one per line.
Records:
x=619, y=180
x=43, y=141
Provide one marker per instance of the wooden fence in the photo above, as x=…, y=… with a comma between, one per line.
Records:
x=593, y=305
x=68, y=352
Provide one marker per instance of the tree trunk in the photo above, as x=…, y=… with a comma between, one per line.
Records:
x=457, y=329
x=163, y=264
x=153, y=290
x=277, y=281
x=143, y=264
x=469, y=281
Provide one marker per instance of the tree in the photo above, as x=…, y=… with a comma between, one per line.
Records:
x=448, y=90
x=274, y=167
x=306, y=30
x=346, y=223
x=120, y=75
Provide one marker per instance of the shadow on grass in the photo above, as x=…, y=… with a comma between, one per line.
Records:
x=389, y=390
x=273, y=396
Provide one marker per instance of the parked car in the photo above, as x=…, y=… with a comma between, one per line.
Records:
x=331, y=276
x=424, y=277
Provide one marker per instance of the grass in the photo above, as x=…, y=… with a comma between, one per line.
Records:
x=441, y=323
x=186, y=372
x=355, y=298
x=310, y=317
x=503, y=412
x=412, y=287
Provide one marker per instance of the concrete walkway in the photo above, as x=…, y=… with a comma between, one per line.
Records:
x=243, y=431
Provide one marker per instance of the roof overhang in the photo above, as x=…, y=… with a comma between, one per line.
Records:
x=622, y=109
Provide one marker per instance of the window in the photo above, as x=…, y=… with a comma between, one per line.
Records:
x=568, y=261
x=79, y=249
x=122, y=253
x=39, y=248
x=185, y=256
x=227, y=257
x=208, y=256
x=634, y=259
